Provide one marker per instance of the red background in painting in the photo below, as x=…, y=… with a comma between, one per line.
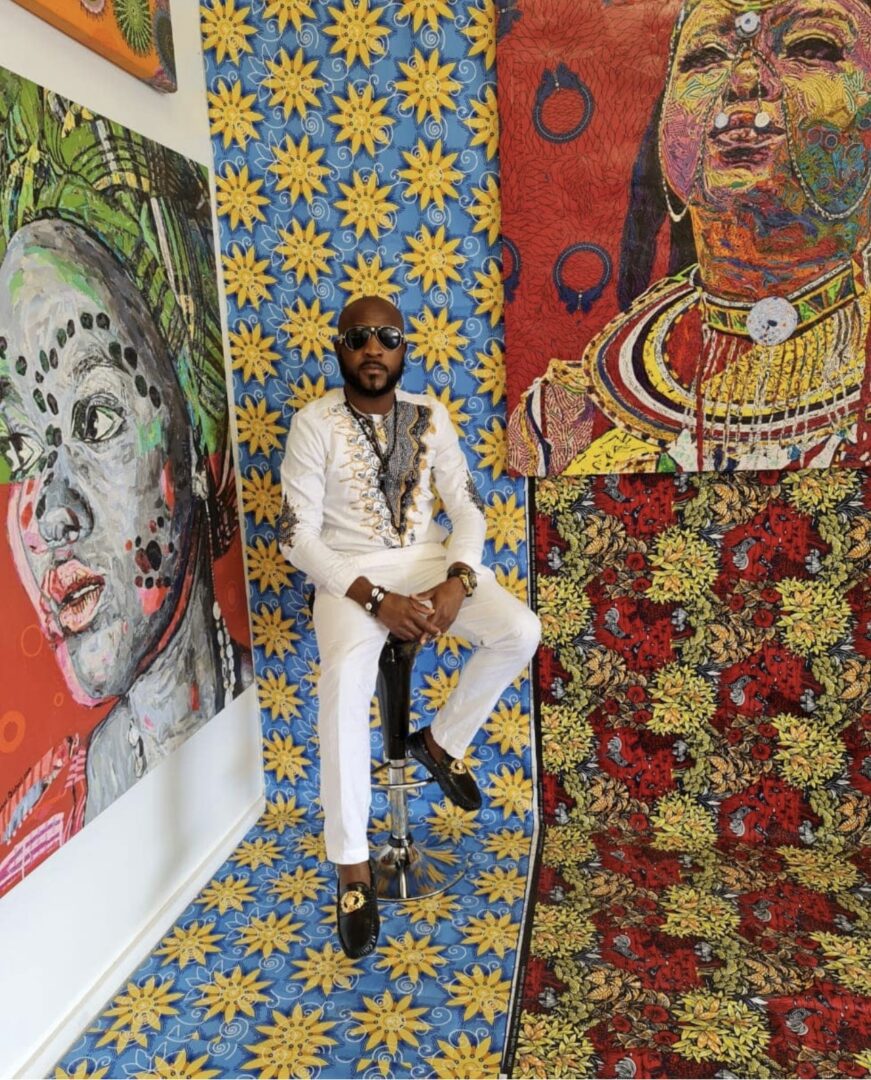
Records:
x=555, y=195
x=33, y=686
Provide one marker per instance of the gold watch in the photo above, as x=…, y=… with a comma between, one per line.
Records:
x=468, y=578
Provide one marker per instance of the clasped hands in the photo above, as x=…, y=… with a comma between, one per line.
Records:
x=425, y=615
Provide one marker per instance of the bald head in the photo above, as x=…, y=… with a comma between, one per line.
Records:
x=370, y=311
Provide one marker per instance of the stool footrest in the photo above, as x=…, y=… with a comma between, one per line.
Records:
x=406, y=784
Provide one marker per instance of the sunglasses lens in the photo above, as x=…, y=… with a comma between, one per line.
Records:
x=356, y=337
x=390, y=337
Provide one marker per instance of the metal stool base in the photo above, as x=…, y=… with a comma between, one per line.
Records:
x=405, y=870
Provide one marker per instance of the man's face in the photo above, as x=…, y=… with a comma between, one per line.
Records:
x=805, y=65
x=374, y=369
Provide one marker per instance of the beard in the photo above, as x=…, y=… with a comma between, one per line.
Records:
x=364, y=389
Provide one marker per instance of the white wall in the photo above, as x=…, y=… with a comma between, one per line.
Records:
x=75, y=928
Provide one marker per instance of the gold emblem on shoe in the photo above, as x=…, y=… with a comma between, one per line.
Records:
x=458, y=768
x=352, y=901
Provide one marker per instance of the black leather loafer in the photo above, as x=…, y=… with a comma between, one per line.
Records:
x=357, y=917
x=450, y=773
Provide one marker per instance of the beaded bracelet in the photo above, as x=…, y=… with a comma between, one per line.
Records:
x=374, y=602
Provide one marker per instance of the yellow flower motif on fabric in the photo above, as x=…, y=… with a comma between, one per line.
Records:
x=358, y=31
x=568, y=845
x=267, y=567
x=256, y=853
x=500, y=884
x=719, y=1029
x=479, y=993
x=454, y=405
x=547, y=1047
x=257, y=428
x=684, y=567
x=272, y=631
x=433, y=909
x=179, y=1068
x=489, y=292
x=296, y=887
x=231, y=893
x=564, y=610
x=487, y=209
x=306, y=390
x=231, y=114
x=567, y=738
x=491, y=933
x=82, y=1071
x=288, y=11
x=326, y=969
x=484, y=123
x=465, y=1059
x=225, y=30
x=450, y=643
x=848, y=960
x=309, y=329
x=293, y=83
x=693, y=913
x=492, y=450
x=245, y=276
x=683, y=701
x=816, y=615
x=508, y=727
x=369, y=279
x=481, y=31
x=252, y=353
x=360, y=119
x=512, y=582
x=430, y=174
x=261, y=496
x=189, y=944
x=491, y=373
x=237, y=197
x=278, y=696
x=433, y=258
x=411, y=956
x=304, y=251
x=282, y=813
x=366, y=205
x=452, y=822
x=265, y=936
x=681, y=824
x=436, y=340
x=292, y=1045
x=561, y=930
x=863, y=1060
x=283, y=757
x=231, y=994
x=439, y=688
x=819, y=491
x=427, y=86
x=808, y=755
x=430, y=10
x=823, y=870
x=137, y=1009
x=297, y=166
x=506, y=522
x=508, y=844
x=390, y=1022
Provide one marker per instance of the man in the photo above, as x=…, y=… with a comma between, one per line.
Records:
x=361, y=473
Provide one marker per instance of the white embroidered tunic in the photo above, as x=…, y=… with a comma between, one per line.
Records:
x=354, y=485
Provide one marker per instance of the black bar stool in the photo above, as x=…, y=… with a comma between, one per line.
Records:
x=404, y=869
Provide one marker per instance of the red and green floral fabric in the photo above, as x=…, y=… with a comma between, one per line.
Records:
x=703, y=902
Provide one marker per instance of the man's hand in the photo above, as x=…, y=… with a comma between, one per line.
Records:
x=410, y=618
x=446, y=600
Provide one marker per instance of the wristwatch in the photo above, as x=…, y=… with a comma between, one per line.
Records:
x=468, y=578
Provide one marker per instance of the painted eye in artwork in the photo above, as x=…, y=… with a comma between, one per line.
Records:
x=704, y=56
x=815, y=47
x=97, y=420
x=22, y=452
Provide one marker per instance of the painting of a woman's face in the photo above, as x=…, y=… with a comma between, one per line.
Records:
x=98, y=440
x=761, y=95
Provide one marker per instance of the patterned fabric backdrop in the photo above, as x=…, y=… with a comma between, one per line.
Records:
x=355, y=153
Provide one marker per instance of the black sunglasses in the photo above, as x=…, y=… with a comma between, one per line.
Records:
x=355, y=337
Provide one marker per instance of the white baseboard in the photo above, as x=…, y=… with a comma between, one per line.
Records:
x=43, y=1059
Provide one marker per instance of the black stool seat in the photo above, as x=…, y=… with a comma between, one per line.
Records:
x=405, y=869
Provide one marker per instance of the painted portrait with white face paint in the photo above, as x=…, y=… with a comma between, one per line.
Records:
x=113, y=435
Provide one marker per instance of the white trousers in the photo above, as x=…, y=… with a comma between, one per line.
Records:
x=505, y=634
